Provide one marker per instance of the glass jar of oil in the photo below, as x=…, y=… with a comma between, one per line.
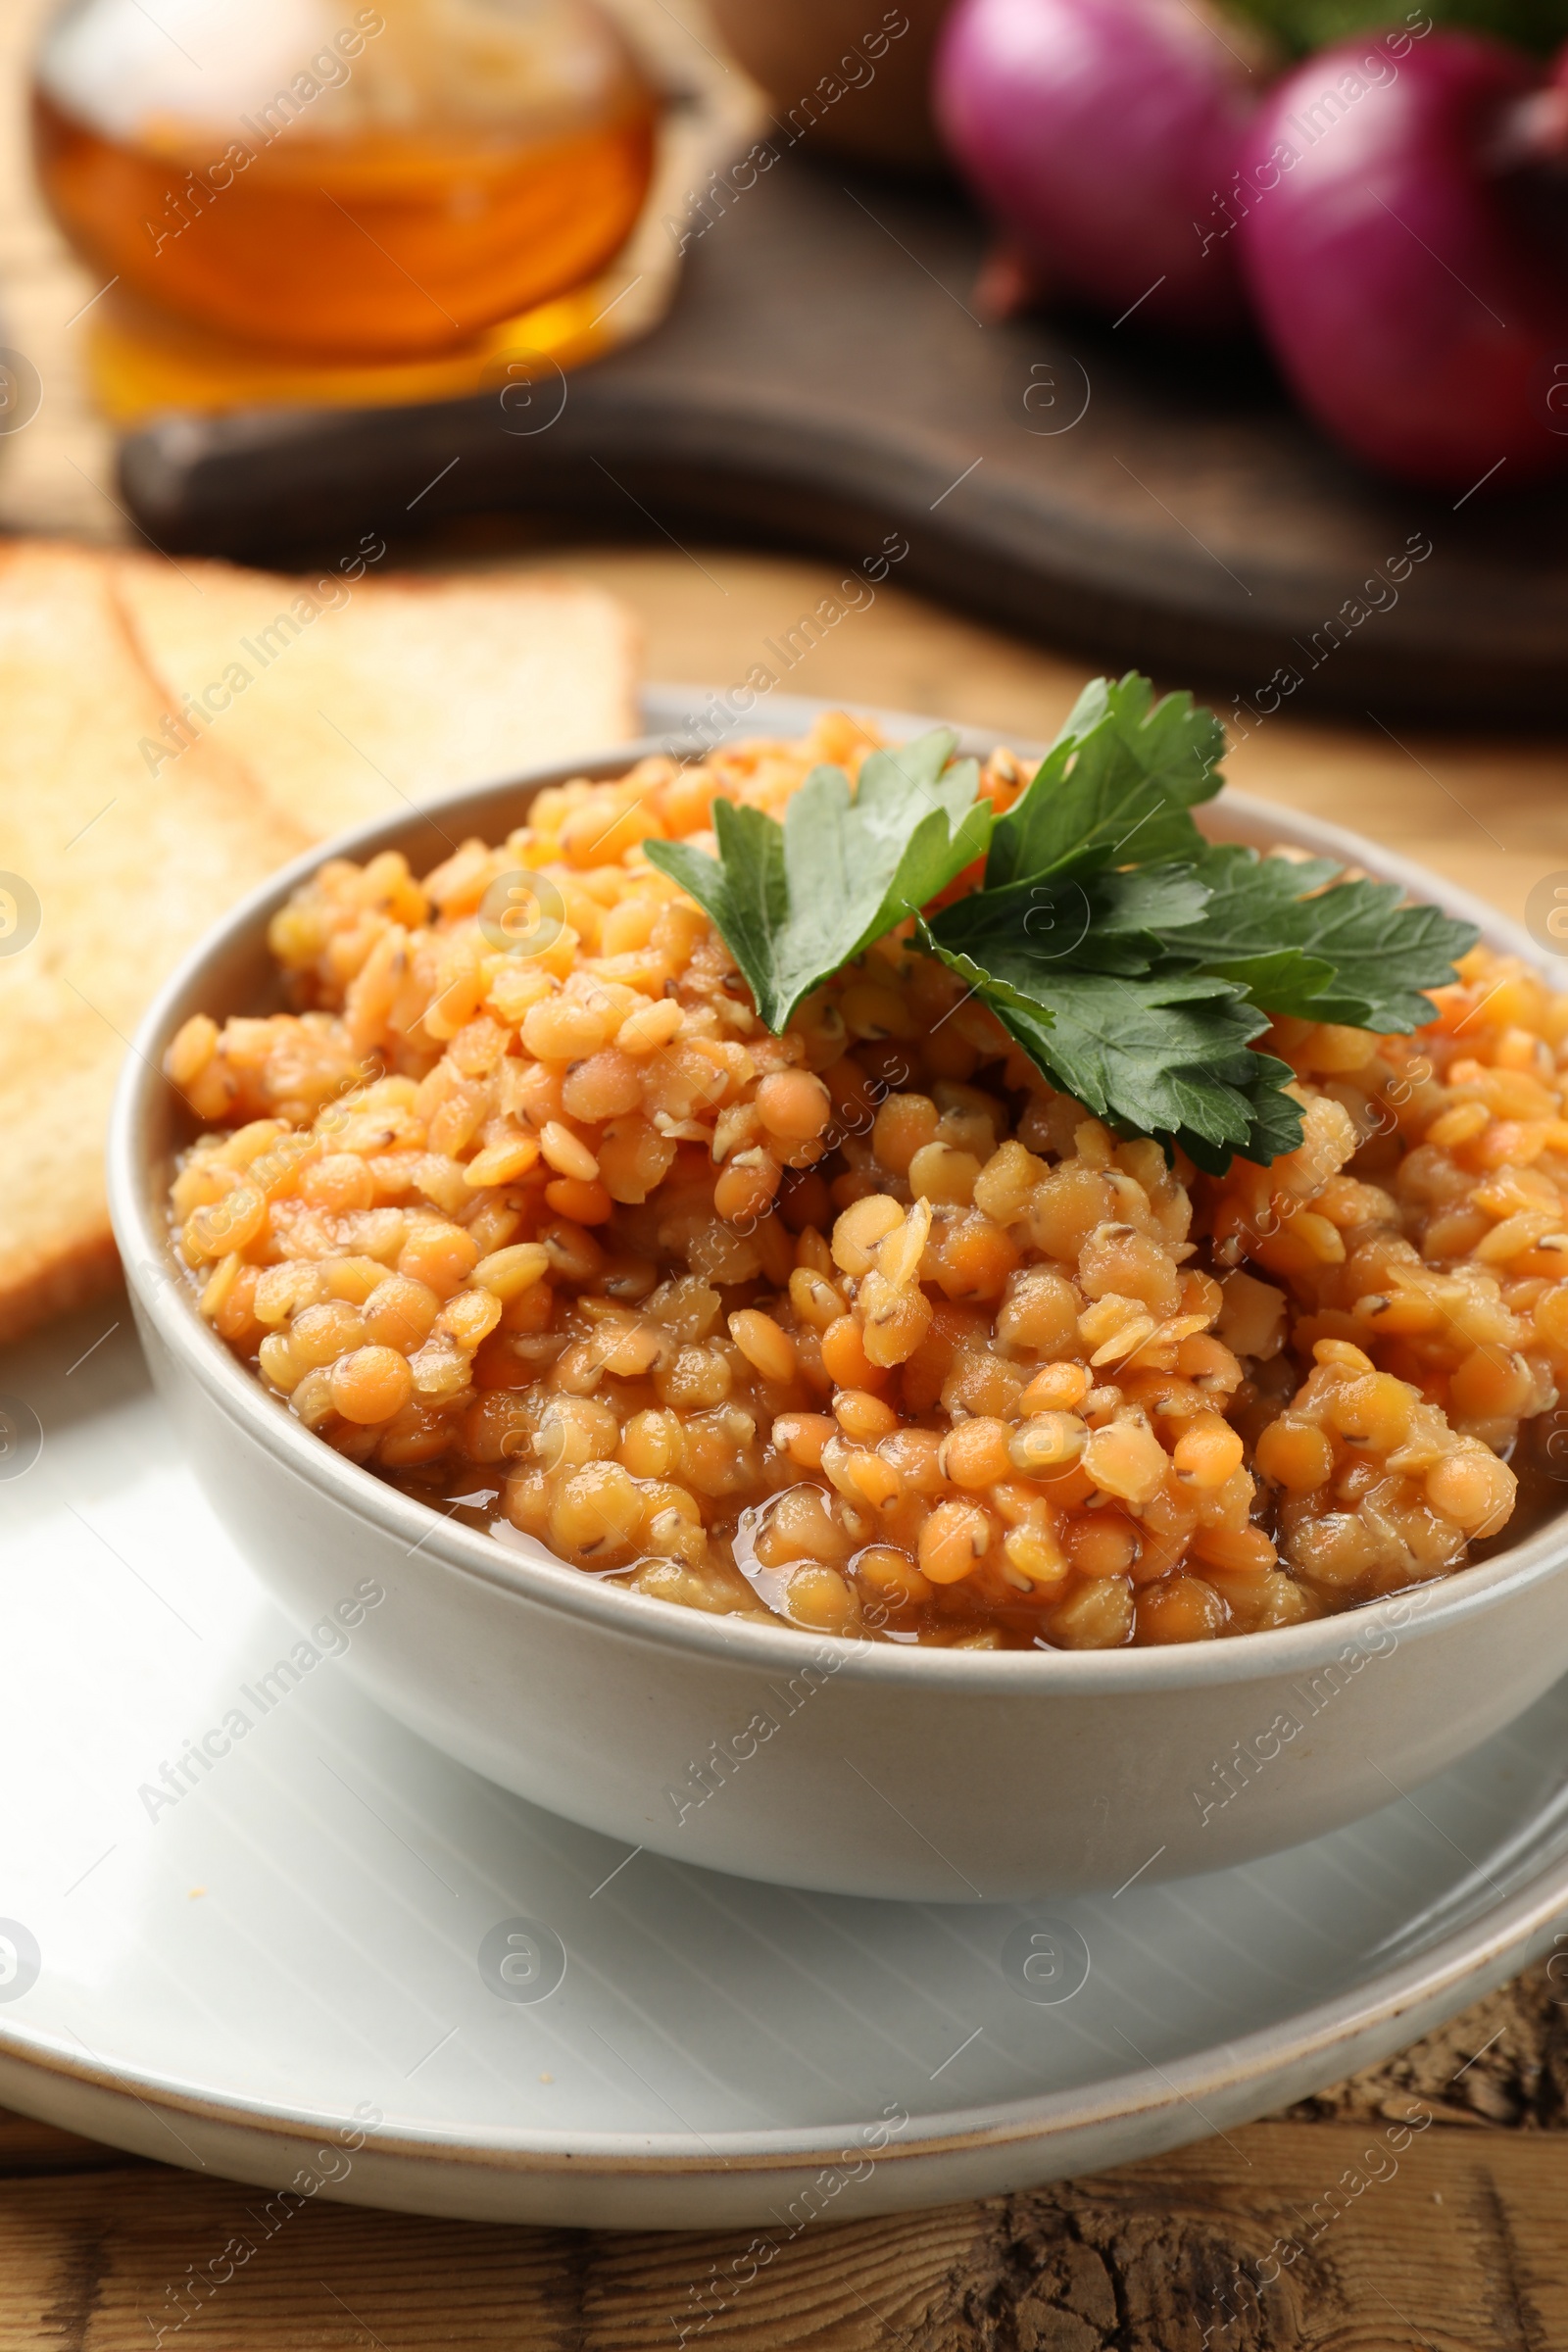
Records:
x=337, y=182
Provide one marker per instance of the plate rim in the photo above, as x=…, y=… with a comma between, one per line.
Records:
x=1447, y=1966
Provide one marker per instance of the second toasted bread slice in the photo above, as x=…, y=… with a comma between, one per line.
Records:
x=349, y=699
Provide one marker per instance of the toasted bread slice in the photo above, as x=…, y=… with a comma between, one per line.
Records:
x=125, y=872
x=348, y=700
x=133, y=825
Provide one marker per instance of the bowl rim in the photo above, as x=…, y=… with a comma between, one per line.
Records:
x=528, y=1571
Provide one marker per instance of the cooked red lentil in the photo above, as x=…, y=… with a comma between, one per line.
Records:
x=864, y=1327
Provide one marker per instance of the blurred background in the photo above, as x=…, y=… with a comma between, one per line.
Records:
x=1226, y=338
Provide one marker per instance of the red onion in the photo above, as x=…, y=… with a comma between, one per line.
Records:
x=1098, y=133
x=1398, y=255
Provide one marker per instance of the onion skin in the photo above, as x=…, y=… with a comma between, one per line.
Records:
x=1098, y=133
x=1410, y=298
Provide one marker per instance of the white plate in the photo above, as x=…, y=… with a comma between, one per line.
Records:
x=290, y=1958
x=717, y=2051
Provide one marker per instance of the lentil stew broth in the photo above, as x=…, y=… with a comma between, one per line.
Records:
x=865, y=1329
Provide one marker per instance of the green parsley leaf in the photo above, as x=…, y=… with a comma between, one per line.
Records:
x=1111, y=922
x=1277, y=1122
x=1165, y=1054
x=1114, y=788
x=797, y=902
x=1301, y=25
x=1301, y=941
x=1131, y=959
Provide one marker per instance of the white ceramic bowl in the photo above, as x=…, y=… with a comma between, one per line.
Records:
x=816, y=1762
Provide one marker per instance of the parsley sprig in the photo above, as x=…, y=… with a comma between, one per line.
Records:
x=1133, y=961
x=797, y=902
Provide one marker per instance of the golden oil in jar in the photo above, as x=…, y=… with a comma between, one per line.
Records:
x=339, y=181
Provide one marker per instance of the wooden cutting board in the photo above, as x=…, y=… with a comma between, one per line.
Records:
x=823, y=381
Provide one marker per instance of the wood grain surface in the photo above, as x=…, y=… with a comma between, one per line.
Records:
x=1394, y=2233
x=1381, y=2236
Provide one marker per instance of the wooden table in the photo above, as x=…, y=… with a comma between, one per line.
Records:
x=1461, y=2246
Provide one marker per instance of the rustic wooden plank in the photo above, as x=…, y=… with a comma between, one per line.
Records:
x=111, y=2261
x=1280, y=2237
x=1370, y=2237
x=28, y=2148
x=1503, y=2061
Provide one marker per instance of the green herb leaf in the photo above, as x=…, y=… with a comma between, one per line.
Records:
x=797, y=902
x=1114, y=788
x=744, y=889
x=1131, y=959
x=1164, y=1053
x=1303, y=943
x=1277, y=1122
x=1300, y=26
x=1110, y=922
